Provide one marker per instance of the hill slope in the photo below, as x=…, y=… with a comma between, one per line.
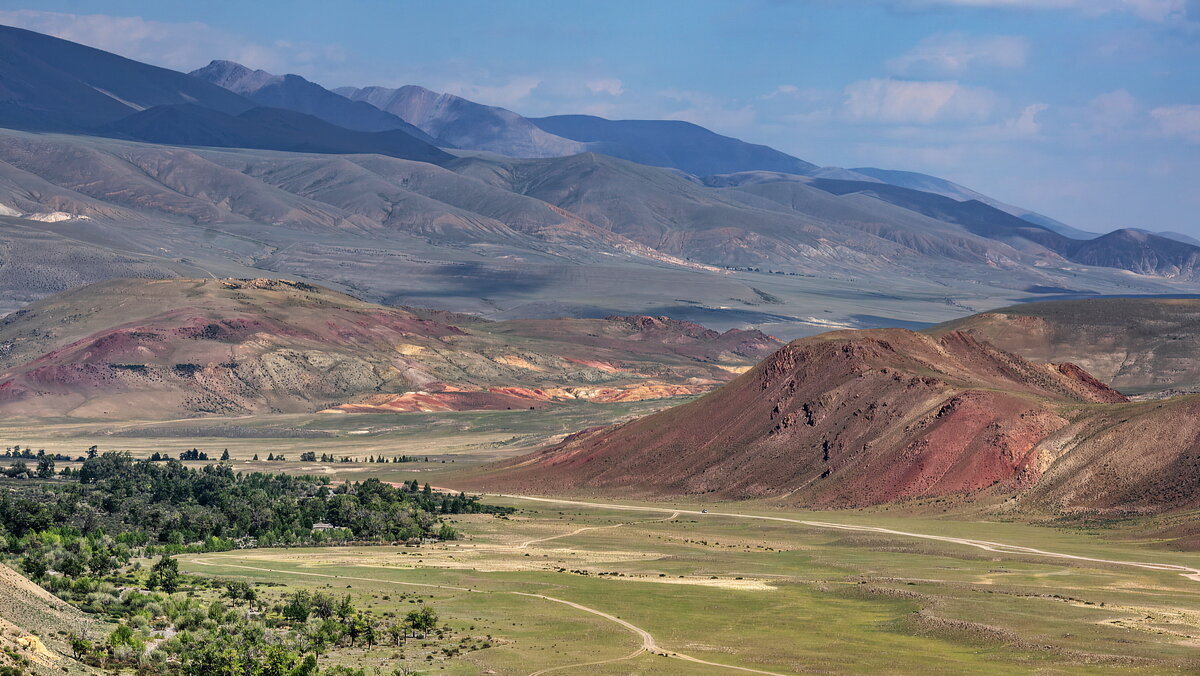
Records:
x=1129, y=343
x=52, y=84
x=462, y=123
x=266, y=128
x=136, y=348
x=866, y=417
x=671, y=143
x=34, y=624
x=1136, y=251
x=292, y=92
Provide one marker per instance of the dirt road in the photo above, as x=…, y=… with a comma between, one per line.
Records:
x=998, y=547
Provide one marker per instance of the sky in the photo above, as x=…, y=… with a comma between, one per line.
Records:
x=1087, y=111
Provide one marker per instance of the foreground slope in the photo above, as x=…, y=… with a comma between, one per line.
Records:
x=34, y=625
x=857, y=418
x=167, y=348
x=1129, y=343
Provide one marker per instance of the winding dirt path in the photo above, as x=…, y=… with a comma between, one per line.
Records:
x=649, y=645
x=998, y=547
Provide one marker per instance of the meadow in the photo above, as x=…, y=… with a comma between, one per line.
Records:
x=758, y=596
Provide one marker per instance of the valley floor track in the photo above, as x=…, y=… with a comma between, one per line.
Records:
x=648, y=643
x=997, y=547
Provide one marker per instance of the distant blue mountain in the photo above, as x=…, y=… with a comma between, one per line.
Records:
x=265, y=128
x=292, y=92
x=671, y=143
x=56, y=85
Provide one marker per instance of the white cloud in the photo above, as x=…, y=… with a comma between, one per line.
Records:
x=606, y=85
x=955, y=53
x=1026, y=124
x=1111, y=112
x=180, y=46
x=1182, y=121
x=708, y=111
x=1149, y=10
x=917, y=102
x=506, y=95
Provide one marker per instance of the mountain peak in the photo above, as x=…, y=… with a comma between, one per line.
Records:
x=234, y=76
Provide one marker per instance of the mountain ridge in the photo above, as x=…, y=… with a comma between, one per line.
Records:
x=293, y=92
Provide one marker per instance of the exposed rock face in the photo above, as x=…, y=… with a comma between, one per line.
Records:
x=859, y=418
x=244, y=346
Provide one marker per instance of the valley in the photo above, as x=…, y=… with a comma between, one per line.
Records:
x=352, y=354
x=754, y=595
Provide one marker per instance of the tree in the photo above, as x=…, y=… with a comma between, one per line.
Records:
x=299, y=606
x=397, y=631
x=368, y=632
x=80, y=646
x=354, y=629
x=225, y=455
x=101, y=562
x=323, y=605
x=34, y=564
x=447, y=532
x=345, y=609
x=45, y=467
x=422, y=619
x=164, y=574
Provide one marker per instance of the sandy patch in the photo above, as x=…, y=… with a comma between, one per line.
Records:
x=722, y=582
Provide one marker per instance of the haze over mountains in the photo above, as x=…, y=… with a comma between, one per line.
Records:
x=231, y=171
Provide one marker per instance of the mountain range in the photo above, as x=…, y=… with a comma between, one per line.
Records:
x=410, y=196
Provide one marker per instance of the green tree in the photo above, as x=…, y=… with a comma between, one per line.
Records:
x=45, y=467
x=323, y=605
x=299, y=606
x=397, y=631
x=80, y=646
x=34, y=564
x=164, y=574
x=422, y=619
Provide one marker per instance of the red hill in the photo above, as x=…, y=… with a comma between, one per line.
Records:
x=855, y=418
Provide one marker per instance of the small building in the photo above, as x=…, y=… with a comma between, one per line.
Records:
x=323, y=526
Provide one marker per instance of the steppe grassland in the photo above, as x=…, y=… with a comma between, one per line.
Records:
x=773, y=596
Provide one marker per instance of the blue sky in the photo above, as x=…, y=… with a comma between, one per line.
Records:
x=1085, y=110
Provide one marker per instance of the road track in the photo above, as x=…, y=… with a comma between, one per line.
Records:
x=649, y=644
